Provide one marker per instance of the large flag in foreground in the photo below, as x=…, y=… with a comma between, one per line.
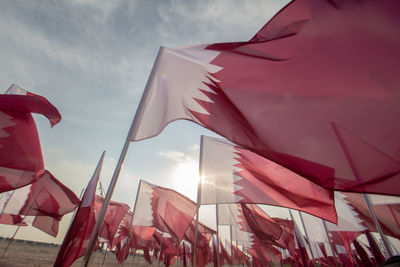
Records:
x=305, y=92
x=21, y=160
x=232, y=174
x=163, y=208
x=78, y=236
x=43, y=203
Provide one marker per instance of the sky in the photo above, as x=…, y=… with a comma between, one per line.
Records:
x=92, y=59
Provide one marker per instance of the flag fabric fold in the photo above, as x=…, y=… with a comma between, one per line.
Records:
x=304, y=92
x=115, y=213
x=43, y=203
x=232, y=174
x=163, y=208
x=21, y=160
x=388, y=215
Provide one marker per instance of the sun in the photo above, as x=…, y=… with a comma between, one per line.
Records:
x=186, y=178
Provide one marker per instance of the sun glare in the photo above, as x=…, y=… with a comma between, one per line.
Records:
x=186, y=178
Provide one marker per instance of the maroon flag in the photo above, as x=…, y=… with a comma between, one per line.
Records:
x=235, y=175
x=203, y=239
x=42, y=203
x=21, y=160
x=304, y=92
x=380, y=259
x=362, y=254
x=163, y=208
x=78, y=236
x=142, y=236
x=12, y=219
x=258, y=222
x=388, y=215
x=114, y=215
x=286, y=240
x=123, y=229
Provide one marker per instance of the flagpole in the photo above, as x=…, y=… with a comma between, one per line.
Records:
x=217, y=222
x=230, y=236
x=308, y=239
x=199, y=185
x=133, y=214
x=330, y=243
x=12, y=238
x=107, y=200
x=159, y=255
x=378, y=227
x=131, y=133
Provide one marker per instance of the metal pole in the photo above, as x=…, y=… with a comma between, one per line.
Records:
x=308, y=239
x=159, y=255
x=131, y=134
x=230, y=236
x=133, y=213
x=378, y=227
x=12, y=239
x=330, y=244
x=134, y=257
x=237, y=248
x=217, y=220
x=106, y=201
x=196, y=231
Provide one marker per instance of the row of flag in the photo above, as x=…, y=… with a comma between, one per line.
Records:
x=309, y=107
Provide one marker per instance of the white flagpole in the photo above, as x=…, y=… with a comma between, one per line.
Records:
x=106, y=201
x=131, y=133
x=230, y=236
x=196, y=232
x=12, y=238
x=378, y=226
x=330, y=243
x=159, y=255
x=217, y=222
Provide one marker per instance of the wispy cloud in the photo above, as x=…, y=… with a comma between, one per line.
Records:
x=175, y=155
x=189, y=155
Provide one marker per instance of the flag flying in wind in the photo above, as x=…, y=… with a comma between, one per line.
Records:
x=42, y=203
x=388, y=215
x=115, y=213
x=348, y=220
x=163, y=208
x=305, y=92
x=21, y=160
x=78, y=236
x=235, y=175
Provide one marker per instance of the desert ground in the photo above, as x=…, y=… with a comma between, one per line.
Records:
x=34, y=254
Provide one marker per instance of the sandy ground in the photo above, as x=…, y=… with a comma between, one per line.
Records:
x=21, y=254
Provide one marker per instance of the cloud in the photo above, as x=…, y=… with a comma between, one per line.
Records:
x=209, y=20
x=174, y=155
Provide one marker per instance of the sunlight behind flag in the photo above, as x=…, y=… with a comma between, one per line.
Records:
x=186, y=177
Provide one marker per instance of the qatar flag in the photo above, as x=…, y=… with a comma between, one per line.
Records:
x=163, y=208
x=115, y=213
x=21, y=160
x=388, y=215
x=316, y=90
x=232, y=174
x=42, y=203
x=349, y=220
x=77, y=238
